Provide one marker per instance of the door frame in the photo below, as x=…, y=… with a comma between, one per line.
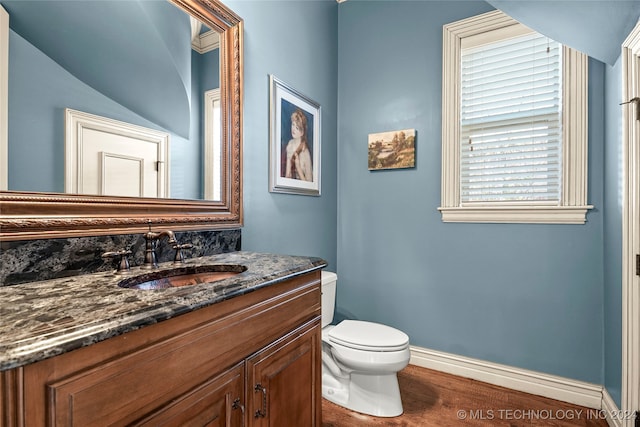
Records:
x=630, y=400
x=76, y=122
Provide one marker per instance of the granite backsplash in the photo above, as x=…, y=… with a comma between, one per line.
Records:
x=35, y=260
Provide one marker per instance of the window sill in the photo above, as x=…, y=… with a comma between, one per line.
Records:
x=517, y=214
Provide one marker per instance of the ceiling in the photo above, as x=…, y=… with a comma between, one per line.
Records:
x=594, y=27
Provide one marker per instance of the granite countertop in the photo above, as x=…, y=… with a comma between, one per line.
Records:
x=43, y=319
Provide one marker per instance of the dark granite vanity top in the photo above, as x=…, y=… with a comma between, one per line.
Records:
x=43, y=319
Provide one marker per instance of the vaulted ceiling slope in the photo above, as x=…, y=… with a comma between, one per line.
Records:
x=137, y=53
x=594, y=27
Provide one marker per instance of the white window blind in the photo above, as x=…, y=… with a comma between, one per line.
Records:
x=511, y=121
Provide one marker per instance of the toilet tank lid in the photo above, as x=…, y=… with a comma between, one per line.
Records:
x=328, y=276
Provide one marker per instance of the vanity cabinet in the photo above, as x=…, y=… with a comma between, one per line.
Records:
x=251, y=360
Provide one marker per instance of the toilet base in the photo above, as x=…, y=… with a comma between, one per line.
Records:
x=377, y=395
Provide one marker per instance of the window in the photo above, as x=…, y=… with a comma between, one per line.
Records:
x=514, y=129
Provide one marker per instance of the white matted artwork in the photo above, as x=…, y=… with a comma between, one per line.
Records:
x=294, y=141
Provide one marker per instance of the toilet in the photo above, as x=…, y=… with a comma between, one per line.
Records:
x=360, y=360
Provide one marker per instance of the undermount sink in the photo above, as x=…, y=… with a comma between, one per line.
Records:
x=182, y=276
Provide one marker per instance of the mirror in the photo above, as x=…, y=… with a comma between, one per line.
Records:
x=43, y=214
x=112, y=95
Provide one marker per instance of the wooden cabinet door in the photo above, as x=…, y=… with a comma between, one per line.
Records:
x=283, y=381
x=218, y=402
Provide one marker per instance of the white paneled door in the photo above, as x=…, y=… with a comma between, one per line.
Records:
x=112, y=158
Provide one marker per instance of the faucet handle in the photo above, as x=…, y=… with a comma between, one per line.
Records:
x=179, y=255
x=123, y=255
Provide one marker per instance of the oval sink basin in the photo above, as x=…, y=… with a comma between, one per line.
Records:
x=182, y=276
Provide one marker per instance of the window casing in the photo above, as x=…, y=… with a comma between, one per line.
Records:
x=550, y=185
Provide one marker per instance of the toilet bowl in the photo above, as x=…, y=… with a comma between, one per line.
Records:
x=360, y=360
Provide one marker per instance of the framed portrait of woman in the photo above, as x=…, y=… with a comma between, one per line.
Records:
x=294, y=141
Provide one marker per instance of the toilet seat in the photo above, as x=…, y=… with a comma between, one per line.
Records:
x=368, y=336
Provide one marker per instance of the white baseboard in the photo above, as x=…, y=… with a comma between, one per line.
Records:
x=609, y=408
x=553, y=387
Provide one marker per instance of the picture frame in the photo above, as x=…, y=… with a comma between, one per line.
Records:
x=392, y=150
x=294, y=141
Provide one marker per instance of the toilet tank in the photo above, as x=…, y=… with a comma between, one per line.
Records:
x=328, y=282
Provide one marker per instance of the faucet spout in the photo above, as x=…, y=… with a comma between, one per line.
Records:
x=151, y=241
x=153, y=235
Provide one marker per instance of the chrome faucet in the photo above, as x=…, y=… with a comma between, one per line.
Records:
x=151, y=240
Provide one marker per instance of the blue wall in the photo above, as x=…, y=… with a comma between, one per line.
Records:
x=613, y=179
x=297, y=42
x=136, y=52
x=528, y=296
x=40, y=90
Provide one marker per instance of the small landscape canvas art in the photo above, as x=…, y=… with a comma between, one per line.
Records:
x=392, y=150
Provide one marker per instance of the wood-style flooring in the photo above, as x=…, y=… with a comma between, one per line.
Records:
x=432, y=398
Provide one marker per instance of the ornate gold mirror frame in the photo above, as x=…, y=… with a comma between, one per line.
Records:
x=33, y=215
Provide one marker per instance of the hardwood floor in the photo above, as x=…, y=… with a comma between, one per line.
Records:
x=432, y=398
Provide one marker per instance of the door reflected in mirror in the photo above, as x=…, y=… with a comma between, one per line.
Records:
x=145, y=66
